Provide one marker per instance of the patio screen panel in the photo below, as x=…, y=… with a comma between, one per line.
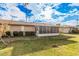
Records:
x=47, y=29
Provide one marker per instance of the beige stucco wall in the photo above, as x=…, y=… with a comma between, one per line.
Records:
x=29, y=28
x=22, y=28
x=15, y=28
x=64, y=30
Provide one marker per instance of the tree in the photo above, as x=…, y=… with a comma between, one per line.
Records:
x=3, y=30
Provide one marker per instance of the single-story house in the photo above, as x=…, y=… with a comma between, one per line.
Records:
x=38, y=29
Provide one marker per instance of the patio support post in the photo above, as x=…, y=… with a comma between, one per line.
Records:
x=37, y=30
x=22, y=29
x=12, y=33
x=23, y=33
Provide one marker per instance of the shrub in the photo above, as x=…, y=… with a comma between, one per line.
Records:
x=8, y=33
x=20, y=33
x=29, y=33
x=76, y=31
x=15, y=33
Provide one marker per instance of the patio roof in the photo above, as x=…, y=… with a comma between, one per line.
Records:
x=11, y=22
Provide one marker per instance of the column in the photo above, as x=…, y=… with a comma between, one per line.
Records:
x=37, y=30
x=23, y=33
x=11, y=32
x=22, y=29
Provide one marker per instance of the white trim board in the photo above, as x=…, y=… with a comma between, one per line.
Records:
x=49, y=34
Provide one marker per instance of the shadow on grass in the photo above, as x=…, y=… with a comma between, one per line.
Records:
x=23, y=47
x=74, y=33
x=2, y=46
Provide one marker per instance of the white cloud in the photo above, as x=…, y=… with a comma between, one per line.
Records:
x=36, y=9
x=47, y=13
x=12, y=10
x=43, y=14
x=39, y=13
x=56, y=5
x=71, y=23
x=74, y=4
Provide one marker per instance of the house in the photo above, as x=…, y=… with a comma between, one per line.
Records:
x=26, y=28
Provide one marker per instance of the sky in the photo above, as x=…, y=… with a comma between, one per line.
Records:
x=52, y=13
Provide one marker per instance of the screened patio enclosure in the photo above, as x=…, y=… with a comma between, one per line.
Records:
x=47, y=31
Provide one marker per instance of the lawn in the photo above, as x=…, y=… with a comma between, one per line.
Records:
x=67, y=45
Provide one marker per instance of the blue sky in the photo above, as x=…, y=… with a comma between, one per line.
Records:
x=53, y=13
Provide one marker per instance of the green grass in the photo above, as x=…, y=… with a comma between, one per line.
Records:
x=68, y=45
